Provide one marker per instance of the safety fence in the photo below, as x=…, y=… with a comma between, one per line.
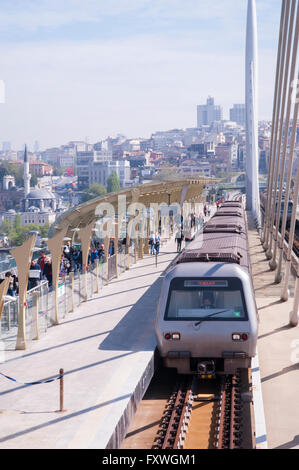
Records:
x=72, y=291
x=77, y=287
x=9, y=264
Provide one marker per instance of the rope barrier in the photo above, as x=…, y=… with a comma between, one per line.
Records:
x=32, y=383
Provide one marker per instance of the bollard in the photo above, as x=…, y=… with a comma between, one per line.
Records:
x=156, y=259
x=61, y=389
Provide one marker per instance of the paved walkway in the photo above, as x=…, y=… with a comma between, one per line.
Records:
x=106, y=348
x=278, y=348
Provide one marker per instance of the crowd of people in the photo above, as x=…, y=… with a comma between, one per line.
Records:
x=154, y=243
x=71, y=259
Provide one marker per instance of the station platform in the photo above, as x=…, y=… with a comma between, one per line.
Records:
x=278, y=352
x=106, y=348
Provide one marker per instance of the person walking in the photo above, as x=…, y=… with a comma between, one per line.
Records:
x=101, y=254
x=68, y=253
x=93, y=255
x=179, y=239
x=48, y=271
x=157, y=243
x=152, y=244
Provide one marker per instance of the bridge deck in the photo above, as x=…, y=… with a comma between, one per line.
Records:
x=107, y=351
x=277, y=343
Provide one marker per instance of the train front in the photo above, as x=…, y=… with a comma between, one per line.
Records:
x=206, y=321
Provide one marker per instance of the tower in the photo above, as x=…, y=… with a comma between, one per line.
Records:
x=252, y=152
x=27, y=175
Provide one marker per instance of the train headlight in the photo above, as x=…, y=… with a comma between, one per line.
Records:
x=236, y=337
x=173, y=336
x=176, y=336
x=240, y=337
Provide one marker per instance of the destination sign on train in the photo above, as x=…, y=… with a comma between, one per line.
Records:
x=206, y=283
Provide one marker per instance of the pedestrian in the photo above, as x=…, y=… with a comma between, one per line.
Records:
x=76, y=260
x=205, y=210
x=192, y=220
x=152, y=244
x=11, y=289
x=63, y=268
x=68, y=253
x=35, y=275
x=111, y=247
x=41, y=260
x=93, y=255
x=157, y=243
x=178, y=238
x=48, y=271
x=101, y=253
x=15, y=284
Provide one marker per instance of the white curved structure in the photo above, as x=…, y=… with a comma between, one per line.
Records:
x=252, y=151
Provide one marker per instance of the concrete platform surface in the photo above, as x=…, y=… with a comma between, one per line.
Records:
x=278, y=349
x=106, y=348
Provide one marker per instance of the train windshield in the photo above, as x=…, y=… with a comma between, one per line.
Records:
x=206, y=299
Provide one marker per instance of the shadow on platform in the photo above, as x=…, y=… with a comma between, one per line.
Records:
x=135, y=332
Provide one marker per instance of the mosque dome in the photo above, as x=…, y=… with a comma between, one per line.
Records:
x=40, y=194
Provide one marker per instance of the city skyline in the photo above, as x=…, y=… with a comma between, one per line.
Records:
x=133, y=68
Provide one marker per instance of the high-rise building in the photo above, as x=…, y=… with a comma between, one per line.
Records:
x=208, y=113
x=95, y=166
x=6, y=146
x=238, y=114
x=99, y=171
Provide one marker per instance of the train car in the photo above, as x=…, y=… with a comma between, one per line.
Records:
x=263, y=198
x=206, y=321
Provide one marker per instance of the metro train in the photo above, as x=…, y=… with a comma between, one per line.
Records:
x=206, y=321
x=263, y=198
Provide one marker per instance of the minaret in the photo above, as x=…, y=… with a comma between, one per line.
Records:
x=27, y=175
x=252, y=151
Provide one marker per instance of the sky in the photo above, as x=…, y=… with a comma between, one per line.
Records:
x=88, y=69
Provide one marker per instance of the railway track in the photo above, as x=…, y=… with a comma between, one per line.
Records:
x=229, y=430
x=195, y=415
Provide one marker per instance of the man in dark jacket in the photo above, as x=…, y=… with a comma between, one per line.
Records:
x=34, y=276
x=68, y=252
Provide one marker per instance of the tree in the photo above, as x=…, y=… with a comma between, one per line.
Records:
x=9, y=168
x=58, y=171
x=94, y=190
x=44, y=230
x=18, y=222
x=33, y=181
x=113, y=184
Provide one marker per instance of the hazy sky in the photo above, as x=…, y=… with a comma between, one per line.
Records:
x=93, y=68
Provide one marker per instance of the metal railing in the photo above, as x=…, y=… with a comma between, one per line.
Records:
x=9, y=263
x=40, y=303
